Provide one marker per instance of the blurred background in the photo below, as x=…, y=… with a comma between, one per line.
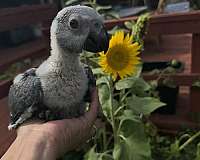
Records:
x=171, y=45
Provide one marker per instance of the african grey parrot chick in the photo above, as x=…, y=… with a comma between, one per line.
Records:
x=56, y=89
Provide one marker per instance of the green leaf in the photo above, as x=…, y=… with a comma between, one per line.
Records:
x=113, y=30
x=134, y=143
x=128, y=115
x=136, y=148
x=198, y=152
x=99, y=8
x=140, y=87
x=196, y=84
x=117, y=152
x=153, y=84
x=143, y=105
x=129, y=24
x=70, y=2
x=105, y=156
x=91, y=154
x=125, y=83
x=87, y=54
x=105, y=99
x=138, y=70
x=97, y=71
x=102, y=80
x=112, y=14
x=174, y=148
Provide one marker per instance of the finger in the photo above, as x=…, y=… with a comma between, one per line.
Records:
x=89, y=138
x=91, y=135
x=91, y=115
x=94, y=130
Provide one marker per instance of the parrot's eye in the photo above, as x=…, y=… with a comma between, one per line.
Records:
x=74, y=24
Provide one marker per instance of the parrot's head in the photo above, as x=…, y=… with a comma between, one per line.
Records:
x=78, y=28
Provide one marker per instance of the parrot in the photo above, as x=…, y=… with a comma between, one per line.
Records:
x=58, y=87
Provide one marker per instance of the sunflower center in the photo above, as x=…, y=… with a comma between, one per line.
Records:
x=117, y=57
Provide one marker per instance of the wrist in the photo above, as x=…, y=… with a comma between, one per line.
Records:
x=35, y=147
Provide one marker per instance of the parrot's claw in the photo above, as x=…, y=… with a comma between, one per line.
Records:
x=90, y=75
x=25, y=116
x=12, y=126
x=91, y=83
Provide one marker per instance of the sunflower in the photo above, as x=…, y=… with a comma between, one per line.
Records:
x=122, y=56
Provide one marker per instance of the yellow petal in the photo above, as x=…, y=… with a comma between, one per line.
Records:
x=128, y=39
x=117, y=38
x=121, y=58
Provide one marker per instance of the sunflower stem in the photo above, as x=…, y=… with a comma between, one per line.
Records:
x=114, y=127
x=125, y=95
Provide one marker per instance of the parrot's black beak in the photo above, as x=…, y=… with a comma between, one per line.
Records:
x=97, y=42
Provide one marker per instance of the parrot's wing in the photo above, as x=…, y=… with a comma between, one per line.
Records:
x=25, y=96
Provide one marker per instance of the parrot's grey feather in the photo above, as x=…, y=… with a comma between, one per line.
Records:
x=56, y=89
x=64, y=86
x=24, y=96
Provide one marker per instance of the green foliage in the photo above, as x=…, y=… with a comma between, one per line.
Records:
x=196, y=84
x=144, y=105
x=123, y=102
x=123, y=113
x=139, y=30
x=91, y=154
x=139, y=27
x=195, y=4
x=71, y=2
x=198, y=152
x=182, y=147
x=125, y=83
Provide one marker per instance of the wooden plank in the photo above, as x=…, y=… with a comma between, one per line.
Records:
x=195, y=53
x=11, y=18
x=195, y=92
x=172, y=122
x=175, y=27
x=30, y=49
x=4, y=88
x=173, y=46
x=182, y=79
x=6, y=137
x=176, y=23
x=184, y=58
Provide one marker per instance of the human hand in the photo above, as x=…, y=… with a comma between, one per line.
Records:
x=54, y=138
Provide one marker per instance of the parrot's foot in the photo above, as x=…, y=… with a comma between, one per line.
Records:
x=12, y=126
x=47, y=115
x=25, y=116
x=90, y=75
x=91, y=83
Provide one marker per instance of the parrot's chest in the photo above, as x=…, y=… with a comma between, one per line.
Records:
x=64, y=91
